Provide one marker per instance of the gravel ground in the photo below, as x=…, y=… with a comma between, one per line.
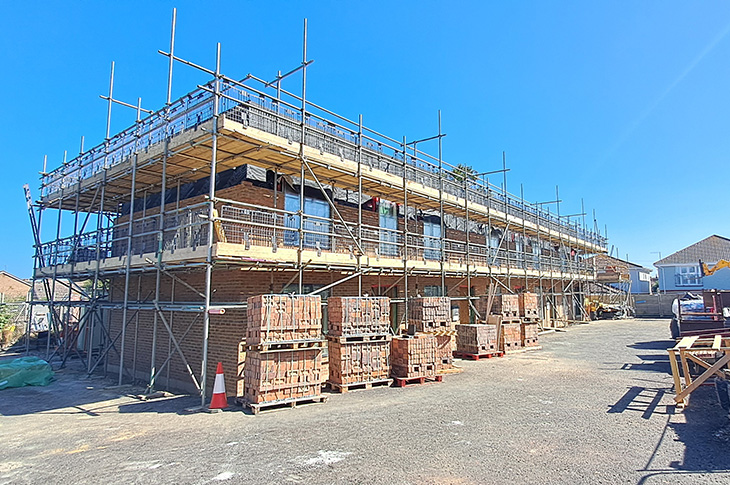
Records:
x=594, y=406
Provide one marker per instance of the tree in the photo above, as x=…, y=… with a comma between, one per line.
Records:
x=464, y=172
x=5, y=316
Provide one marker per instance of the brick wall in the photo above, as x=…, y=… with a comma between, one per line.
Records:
x=12, y=289
x=228, y=331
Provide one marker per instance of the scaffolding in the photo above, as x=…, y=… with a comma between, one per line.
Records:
x=153, y=193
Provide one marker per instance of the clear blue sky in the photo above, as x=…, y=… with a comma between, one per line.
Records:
x=624, y=104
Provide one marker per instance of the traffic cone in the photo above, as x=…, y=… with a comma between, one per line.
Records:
x=219, y=400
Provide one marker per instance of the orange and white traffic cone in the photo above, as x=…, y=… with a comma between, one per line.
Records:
x=219, y=400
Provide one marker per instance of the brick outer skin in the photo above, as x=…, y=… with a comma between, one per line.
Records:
x=414, y=356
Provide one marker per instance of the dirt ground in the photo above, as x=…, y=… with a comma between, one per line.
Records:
x=594, y=406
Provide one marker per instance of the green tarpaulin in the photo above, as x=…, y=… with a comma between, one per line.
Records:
x=25, y=371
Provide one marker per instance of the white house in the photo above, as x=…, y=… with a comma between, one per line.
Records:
x=680, y=271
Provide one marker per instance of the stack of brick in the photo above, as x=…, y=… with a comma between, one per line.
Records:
x=477, y=339
x=354, y=363
x=504, y=316
x=414, y=356
x=282, y=374
x=358, y=340
x=283, y=318
x=444, y=353
x=528, y=306
x=369, y=315
x=529, y=335
x=431, y=313
x=530, y=317
x=507, y=306
x=283, y=351
x=510, y=338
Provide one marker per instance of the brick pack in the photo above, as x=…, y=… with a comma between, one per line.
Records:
x=511, y=337
x=430, y=313
x=477, y=339
x=413, y=356
x=528, y=305
x=358, y=362
x=281, y=318
x=529, y=334
x=444, y=352
x=505, y=305
x=284, y=352
x=271, y=376
x=358, y=315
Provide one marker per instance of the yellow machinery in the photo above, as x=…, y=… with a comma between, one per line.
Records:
x=705, y=271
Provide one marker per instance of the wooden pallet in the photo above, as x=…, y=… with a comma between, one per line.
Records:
x=532, y=347
x=283, y=403
x=486, y=355
x=404, y=381
x=352, y=339
x=283, y=346
x=342, y=388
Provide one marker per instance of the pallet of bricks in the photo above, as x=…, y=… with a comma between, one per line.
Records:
x=477, y=341
x=529, y=315
x=358, y=339
x=284, y=347
x=426, y=353
x=504, y=315
x=432, y=315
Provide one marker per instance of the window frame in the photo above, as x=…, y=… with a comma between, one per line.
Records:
x=688, y=275
x=312, y=205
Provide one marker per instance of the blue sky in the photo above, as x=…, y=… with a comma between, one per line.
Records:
x=624, y=104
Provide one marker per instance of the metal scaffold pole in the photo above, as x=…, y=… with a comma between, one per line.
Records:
x=38, y=258
x=95, y=290
x=442, y=228
x=468, y=244
x=53, y=321
x=301, y=162
x=211, y=219
x=405, y=232
x=163, y=199
x=506, y=216
x=359, y=204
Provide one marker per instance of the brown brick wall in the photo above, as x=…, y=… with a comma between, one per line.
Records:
x=228, y=331
x=12, y=289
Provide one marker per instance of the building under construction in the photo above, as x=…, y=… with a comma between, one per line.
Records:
x=242, y=188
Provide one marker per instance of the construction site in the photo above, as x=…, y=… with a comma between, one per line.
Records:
x=243, y=188
x=239, y=284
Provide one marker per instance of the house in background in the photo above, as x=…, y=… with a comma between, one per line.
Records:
x=640, y=279
x=680, y=271
x=12, y=288
x=622, y=275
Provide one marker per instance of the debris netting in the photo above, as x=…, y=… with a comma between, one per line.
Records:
x=25, y=371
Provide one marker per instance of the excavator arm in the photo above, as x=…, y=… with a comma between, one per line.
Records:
x=706, y=271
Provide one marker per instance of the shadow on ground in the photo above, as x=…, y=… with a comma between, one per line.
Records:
x=646, y=400
x=653, y=345
x=657, y=361
x=705, y=434
x=703, y=427
x=73, y=393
